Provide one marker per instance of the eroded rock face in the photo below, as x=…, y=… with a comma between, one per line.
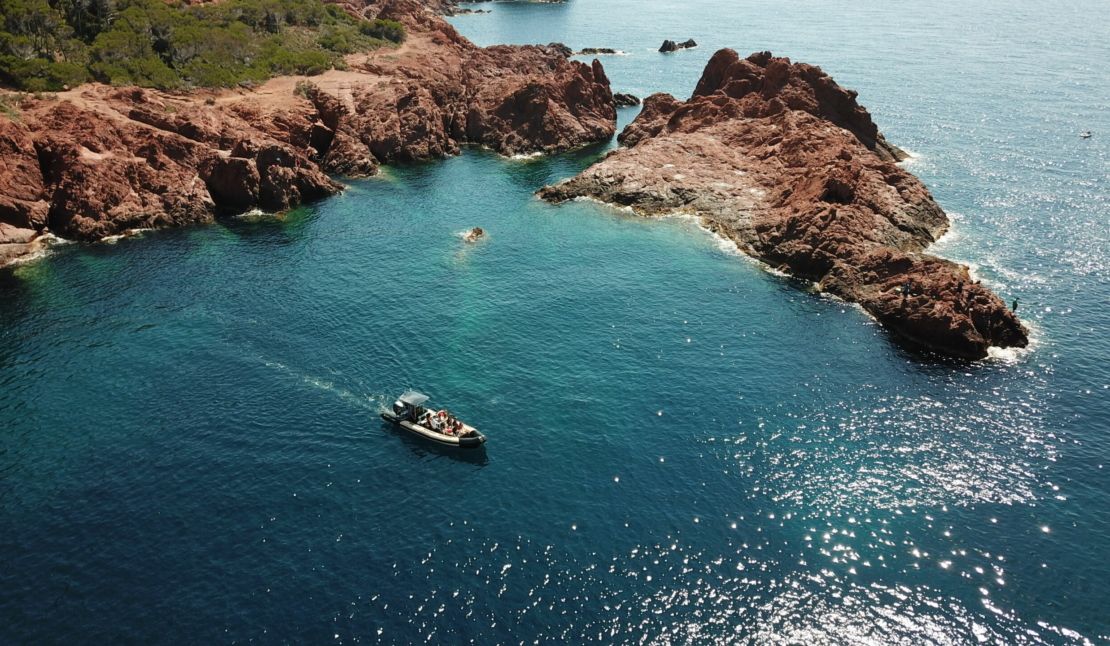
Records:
x=778, y=158
x=103, y=177
x=99, y=161
x=104, y=174
x=512, y=99
x=22, y=195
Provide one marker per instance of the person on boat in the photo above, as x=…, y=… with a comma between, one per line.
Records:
x=439, y=422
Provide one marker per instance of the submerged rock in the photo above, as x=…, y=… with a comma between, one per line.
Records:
x=474, y=234
x=778, y=158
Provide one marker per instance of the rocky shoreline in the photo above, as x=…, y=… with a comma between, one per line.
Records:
x=770, y=154
x=778, y=158
x=98, y=161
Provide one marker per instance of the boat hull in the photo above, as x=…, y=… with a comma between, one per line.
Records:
x=470, y=442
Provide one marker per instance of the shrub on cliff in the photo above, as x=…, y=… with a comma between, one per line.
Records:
x=9, y=106
x=38, y=75
x=390, y=30
x=51, y=44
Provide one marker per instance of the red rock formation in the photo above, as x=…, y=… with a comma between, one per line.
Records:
x=513, y=99
x=22, y=195
x=779, y=158
x=98, y=161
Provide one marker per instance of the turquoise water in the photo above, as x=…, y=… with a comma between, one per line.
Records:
x=683, y=447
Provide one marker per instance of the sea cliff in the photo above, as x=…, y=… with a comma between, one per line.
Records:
x=99, y=160
x=780, y=159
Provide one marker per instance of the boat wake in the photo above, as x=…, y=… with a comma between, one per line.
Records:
x=375, y=403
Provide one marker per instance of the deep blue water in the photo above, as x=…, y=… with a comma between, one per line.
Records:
x=683, y=447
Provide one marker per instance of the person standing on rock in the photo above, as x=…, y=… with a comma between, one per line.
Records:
x=1013, y=307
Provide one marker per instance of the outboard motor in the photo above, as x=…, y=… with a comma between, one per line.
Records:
x=399, y=408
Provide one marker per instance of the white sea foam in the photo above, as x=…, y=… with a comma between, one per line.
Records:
x=112, y=239
x=257, y=214
x=526, y=156
x=727, y=245
x=1012, y=356
x=952, y=235
x=615, y=207
x=1008, y=356
x=46, y=243
x=911, y=157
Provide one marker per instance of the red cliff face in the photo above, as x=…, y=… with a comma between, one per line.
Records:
x=22, y=194
x=777, y=157
x=763, y=85
x=98, y=161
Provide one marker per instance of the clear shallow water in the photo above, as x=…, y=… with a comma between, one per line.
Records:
x=683, y=447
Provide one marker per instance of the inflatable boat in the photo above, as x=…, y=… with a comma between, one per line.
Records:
x=410, y=413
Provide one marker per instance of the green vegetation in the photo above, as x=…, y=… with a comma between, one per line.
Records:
x=9, y=106
x=52, y=44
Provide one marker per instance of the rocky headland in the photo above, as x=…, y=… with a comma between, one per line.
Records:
x=778, y=158
x=98, y=160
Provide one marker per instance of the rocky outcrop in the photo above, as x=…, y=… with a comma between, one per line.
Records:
x=99, y=161
x=626, y=100
x=777, y=157
x=763, y=84
x=512, y=99
x=669, y=46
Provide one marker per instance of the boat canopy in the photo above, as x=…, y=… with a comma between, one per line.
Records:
x=413, y=398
